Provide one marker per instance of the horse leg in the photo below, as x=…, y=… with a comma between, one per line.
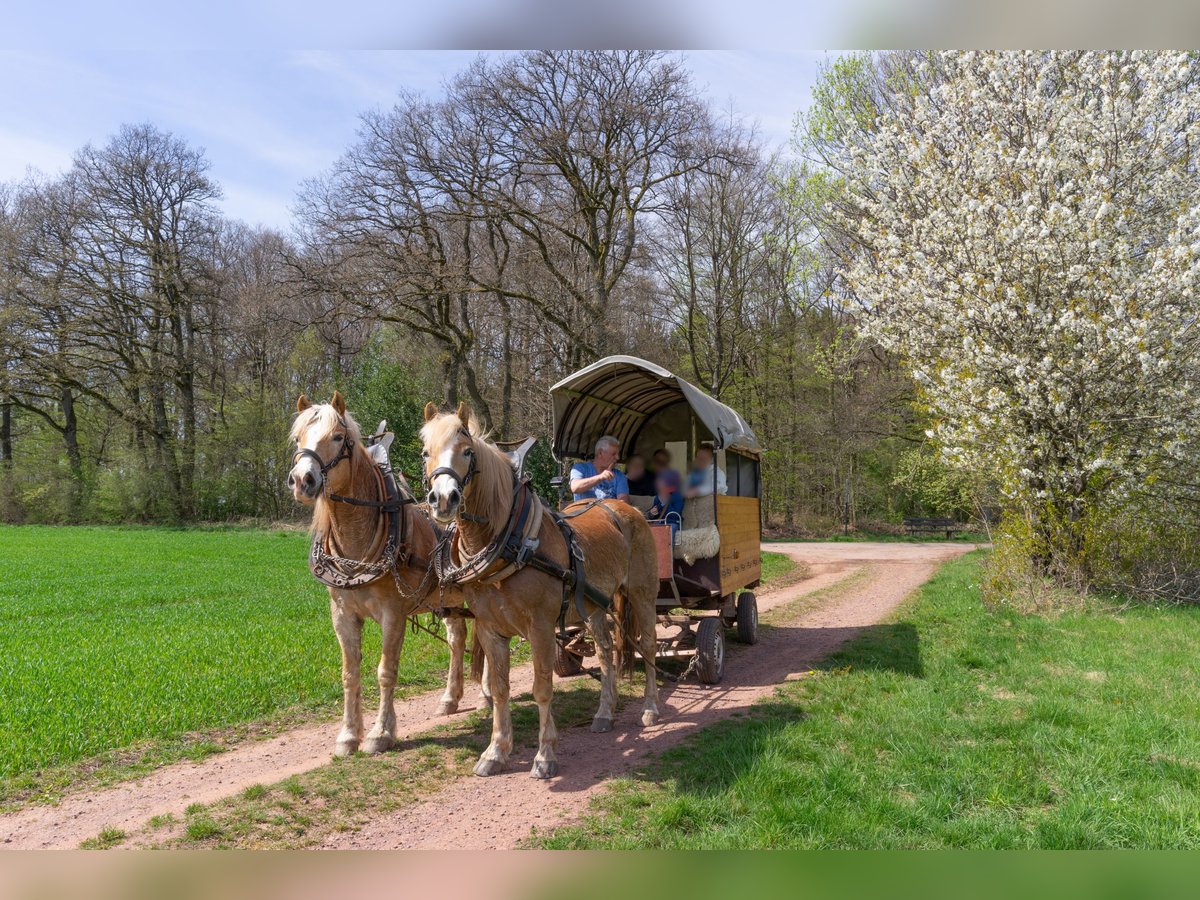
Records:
x=496, y=649
x=383, y=735
x=645, y=616
x=541, y=645
x=348, y=627
x=485, y=688
x=456, y=637
x=598, y=623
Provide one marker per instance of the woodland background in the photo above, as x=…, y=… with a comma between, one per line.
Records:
x=549, y=209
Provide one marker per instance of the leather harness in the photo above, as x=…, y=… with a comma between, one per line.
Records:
x=348, y=574
x=516, y=546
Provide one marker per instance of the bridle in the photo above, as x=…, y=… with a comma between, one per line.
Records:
x=344, y=573
x=460, y=481
x=345, y=453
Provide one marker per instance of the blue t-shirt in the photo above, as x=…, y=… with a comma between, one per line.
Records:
x=659, y=510
x=605, y=490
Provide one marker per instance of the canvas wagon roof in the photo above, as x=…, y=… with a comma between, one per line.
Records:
x=619, y=393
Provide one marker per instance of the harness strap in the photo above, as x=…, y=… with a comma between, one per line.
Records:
x=516, y=546
x=328, y=568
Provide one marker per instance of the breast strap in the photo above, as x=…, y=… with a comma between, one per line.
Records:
x=330, y=569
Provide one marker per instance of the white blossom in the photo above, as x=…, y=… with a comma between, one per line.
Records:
x=1028, y=241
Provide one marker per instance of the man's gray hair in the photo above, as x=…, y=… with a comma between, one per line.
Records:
x=608, y=441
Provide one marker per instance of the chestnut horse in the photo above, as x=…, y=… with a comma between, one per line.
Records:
x=331, y=469
x=472, y=483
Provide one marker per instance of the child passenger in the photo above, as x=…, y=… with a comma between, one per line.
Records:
x=667, y=499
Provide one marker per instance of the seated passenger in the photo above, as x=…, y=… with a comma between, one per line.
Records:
x=641, y=482
x=597, y=480
x=667, y=499
x=704, y=473
x=660, y=461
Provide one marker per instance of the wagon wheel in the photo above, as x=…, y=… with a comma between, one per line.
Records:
x=710, y=650
x=747, y=618
x=566, y=663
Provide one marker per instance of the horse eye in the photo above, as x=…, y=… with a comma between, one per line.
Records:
x=339, y=438
x=468, y=452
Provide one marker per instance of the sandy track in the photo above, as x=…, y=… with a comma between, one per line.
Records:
x=500, y=811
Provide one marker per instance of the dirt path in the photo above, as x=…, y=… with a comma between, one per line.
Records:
x=500, y=811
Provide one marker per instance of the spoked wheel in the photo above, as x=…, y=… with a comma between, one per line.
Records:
x=710, y=650
x=747, y=618
x=566, y=663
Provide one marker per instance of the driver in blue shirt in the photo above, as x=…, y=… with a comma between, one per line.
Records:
x=598, y=480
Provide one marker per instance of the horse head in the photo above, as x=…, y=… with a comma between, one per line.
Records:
x=451, y=459
x=325, y=437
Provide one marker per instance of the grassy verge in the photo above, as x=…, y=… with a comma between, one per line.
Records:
x=954, y=725
x=124, y=648
x=779, y=570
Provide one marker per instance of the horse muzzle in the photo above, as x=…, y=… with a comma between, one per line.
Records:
x=305, y=484
x=445, y=496
x=444, y=506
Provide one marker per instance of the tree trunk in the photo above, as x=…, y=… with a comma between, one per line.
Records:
x=70, y=435
x=507, y=381
x=449, y=379
x=6, y=441
x=185, y=383
x=483, y=412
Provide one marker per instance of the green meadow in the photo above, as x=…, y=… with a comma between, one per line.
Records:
x=124, y=648
x=154, y=642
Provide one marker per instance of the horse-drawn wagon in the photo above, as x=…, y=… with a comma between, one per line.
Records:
x=711, y=560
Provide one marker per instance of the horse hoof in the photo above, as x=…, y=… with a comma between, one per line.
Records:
x=380, y=743
x=485, y=703
x=544, y=768
x=345, y=748
x=486, y=767
x=600, y=726
x=447, y=708
x=649, y=718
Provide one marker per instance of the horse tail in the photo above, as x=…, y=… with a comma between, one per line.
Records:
x=624, y=632
x=477, y=657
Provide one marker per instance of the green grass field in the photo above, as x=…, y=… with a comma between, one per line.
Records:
x=113, y=638
x=123, y=648
x=954, y=725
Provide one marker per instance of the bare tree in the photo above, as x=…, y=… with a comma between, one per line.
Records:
x=580, y=147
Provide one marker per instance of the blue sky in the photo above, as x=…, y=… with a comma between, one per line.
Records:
x=269, y=119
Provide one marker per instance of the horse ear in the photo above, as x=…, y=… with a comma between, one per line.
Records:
x=430, y=411
x=464, y=413
x=339, y=403
x=302, y=403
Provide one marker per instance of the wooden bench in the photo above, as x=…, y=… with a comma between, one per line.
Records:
x=931, y=525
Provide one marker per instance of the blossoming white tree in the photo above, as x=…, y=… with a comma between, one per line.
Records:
x=1026, y=236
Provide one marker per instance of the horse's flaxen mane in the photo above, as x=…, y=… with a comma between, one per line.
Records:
x=324, y=416
x=493, y=484
x=327, y=416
